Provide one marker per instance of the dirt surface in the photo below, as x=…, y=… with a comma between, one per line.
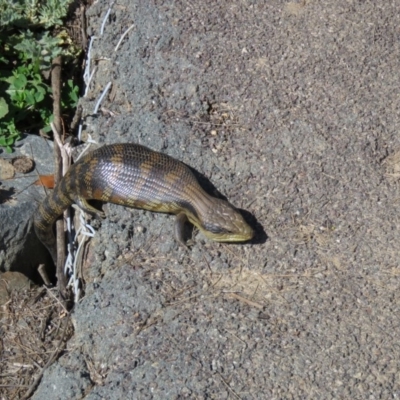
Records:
x=292, y=111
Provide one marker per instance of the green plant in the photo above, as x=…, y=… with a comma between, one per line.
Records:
x=25, y=61
x=7, y=140
x=71, y=98
x=28, y=13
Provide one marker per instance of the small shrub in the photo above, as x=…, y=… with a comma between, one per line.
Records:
x=27, y=49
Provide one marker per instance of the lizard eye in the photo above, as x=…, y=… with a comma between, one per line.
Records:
x=215, y=229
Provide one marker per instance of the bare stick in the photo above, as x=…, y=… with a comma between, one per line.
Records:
x=107, y=88
x=122, y=37
x=105, y=18
x=65, y=155
x=43, y=274
x=60, y=238
x=247, y=301
x=86, y=74
x=89, y=80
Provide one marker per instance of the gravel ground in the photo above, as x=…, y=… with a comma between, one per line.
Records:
x=291, y=111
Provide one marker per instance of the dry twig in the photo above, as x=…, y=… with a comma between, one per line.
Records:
x=60, y=237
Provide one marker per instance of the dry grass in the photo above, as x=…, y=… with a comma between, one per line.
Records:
x=34, y=330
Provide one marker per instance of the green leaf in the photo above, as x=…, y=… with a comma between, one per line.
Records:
x=30, y=97
x=3, y=107
x=40, y=94
x=19, y=81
